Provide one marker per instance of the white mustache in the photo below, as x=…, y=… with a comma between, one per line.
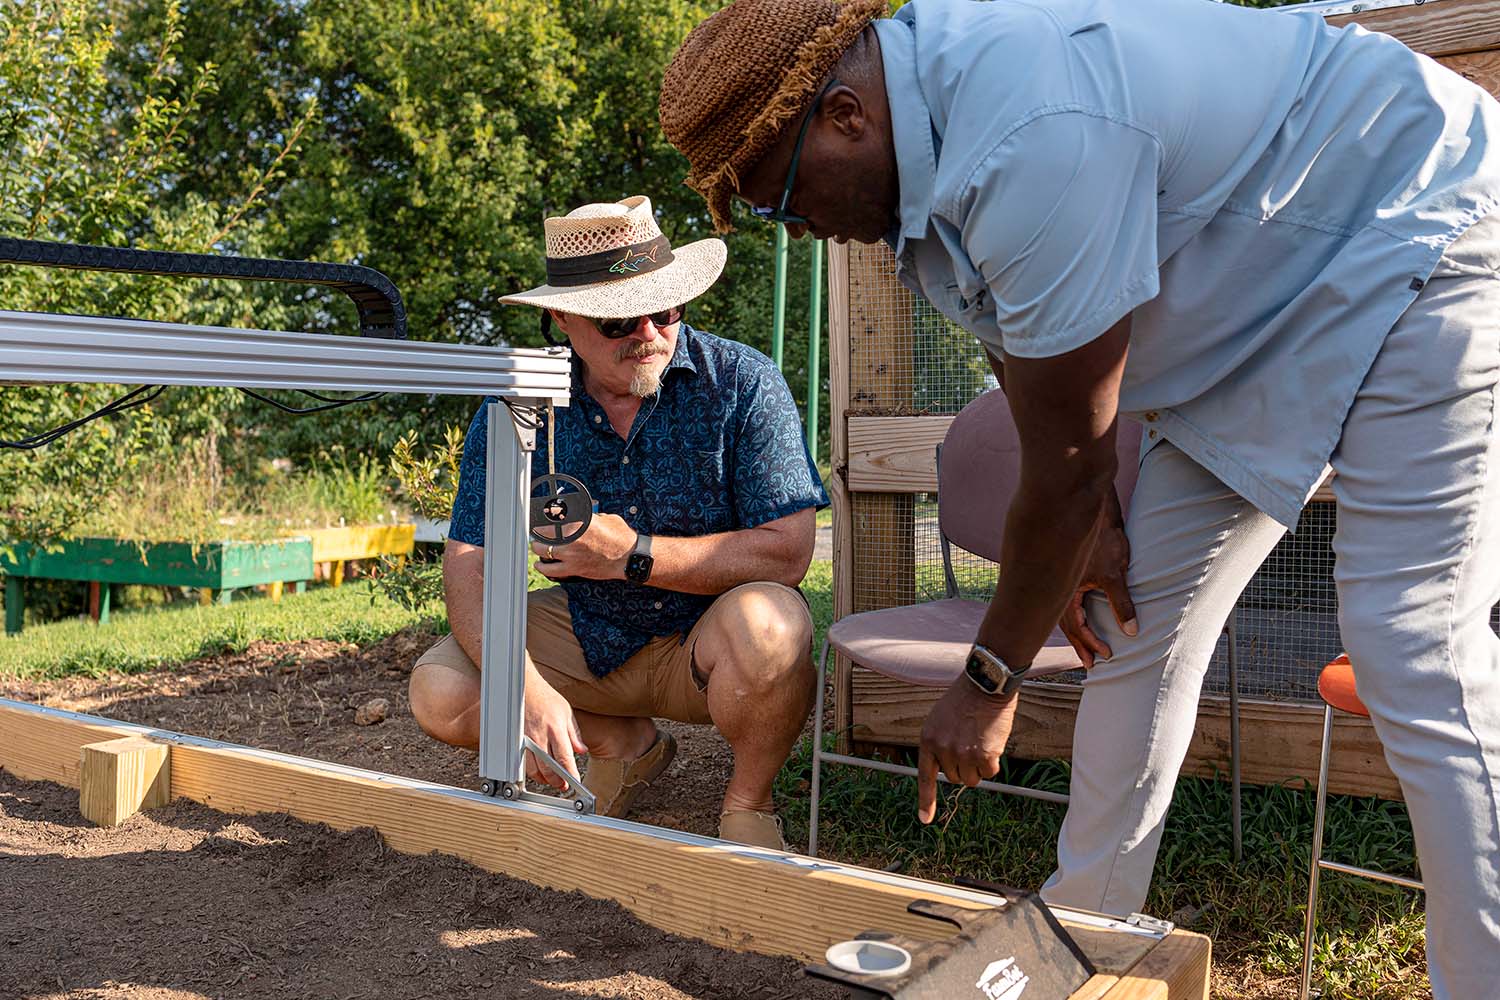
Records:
x=637, y=351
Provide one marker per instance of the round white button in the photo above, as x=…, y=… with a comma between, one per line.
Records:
x=625, y=460
x=658, y=605
x=632, y=509
x=598, y=419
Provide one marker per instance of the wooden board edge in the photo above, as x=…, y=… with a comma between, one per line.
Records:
x=1176, y=969
x=1435, y=28
x=733, y=897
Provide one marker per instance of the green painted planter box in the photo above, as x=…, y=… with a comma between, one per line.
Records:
x=211, y=566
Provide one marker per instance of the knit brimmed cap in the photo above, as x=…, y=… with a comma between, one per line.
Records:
x=743, y=75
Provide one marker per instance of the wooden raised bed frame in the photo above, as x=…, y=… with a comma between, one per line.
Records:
x=880, y=461
x=741, y=898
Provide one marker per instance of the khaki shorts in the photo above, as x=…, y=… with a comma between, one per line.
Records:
x=661, y=681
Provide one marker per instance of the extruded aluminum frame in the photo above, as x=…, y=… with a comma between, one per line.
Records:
x=52, y=348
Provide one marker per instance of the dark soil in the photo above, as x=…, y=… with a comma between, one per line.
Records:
x=301, y=697
x=183, y=903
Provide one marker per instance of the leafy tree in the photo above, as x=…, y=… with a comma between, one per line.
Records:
x=90, y=157
x=446, y=133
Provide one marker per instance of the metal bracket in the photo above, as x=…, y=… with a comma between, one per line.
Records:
x=1154, y=924
x=583, y=801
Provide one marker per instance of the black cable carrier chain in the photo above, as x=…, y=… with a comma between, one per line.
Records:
x=375, y=297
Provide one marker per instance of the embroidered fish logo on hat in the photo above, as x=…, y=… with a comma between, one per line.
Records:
x=632, y=261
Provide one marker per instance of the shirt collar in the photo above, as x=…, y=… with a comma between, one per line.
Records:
x=911, y=127
x=682, y=357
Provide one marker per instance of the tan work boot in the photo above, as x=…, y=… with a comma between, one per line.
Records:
x=757, y=829
x=617, y=783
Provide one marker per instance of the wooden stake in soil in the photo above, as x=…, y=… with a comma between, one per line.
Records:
x=121, y=777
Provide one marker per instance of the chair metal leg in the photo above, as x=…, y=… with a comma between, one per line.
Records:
x=1317, y=853
x=817, y=755
x=1235, y=820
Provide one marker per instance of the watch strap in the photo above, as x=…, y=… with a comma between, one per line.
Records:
x=642, y=545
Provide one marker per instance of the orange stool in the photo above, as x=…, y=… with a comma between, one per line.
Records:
x=1337, y=688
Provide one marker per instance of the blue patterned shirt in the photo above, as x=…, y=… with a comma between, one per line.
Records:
x=718, y=448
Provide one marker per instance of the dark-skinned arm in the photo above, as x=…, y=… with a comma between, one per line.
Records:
x=1105, y=570
x=1065, y=410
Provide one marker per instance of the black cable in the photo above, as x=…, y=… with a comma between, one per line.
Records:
x=524, y=416
x=331, y=405
x=139, y=396
x=361, y=398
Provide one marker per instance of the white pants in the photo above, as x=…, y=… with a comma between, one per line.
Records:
x=1418, y=569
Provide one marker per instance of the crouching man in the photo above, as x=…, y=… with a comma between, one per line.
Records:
x=678, y=602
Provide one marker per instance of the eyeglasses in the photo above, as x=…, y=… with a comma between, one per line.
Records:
x=617, y=329
x=780, y=214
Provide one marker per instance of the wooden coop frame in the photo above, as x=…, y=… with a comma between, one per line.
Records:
x=884, y=455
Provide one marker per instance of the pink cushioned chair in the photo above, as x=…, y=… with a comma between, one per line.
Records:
x=926, y=644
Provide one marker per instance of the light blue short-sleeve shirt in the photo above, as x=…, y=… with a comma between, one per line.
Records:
x=1263, y=193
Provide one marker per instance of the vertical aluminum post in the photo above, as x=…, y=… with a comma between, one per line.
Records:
x=506, y=547
x=502, y=684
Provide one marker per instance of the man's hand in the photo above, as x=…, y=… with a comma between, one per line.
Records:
x=964, y=736
x=550, y=724
x=1105, y=571
x=598, y=554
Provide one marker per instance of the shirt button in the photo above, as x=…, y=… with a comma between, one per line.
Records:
x=1151, y=434
x=632, y=509
x=598, y=419
x=625, y=460
x=1151, y=415
x=658, y=605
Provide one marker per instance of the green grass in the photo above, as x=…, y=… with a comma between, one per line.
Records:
x=1370, y=942
x=156, y=637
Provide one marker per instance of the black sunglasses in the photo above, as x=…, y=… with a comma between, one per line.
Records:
x=616, y=329
x=781, y=214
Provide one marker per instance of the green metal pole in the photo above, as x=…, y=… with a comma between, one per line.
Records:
x=814, y=338
x=778, y=308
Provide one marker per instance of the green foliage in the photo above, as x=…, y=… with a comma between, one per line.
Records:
x=429, y=482
x=96, y=134
x=330, y=493
x=446, y=133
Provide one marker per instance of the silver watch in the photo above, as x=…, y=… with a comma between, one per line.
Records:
x=991, y=674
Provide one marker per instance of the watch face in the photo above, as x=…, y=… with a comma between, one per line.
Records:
x=979, y=672
x=638, y=567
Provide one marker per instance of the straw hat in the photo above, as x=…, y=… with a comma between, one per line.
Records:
x=610, y=260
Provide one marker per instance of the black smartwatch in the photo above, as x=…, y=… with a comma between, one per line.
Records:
x=638, y=564
x=991, y=674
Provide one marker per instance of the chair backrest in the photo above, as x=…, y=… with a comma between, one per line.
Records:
x=979, y=469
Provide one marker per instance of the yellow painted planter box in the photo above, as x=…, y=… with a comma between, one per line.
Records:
x=361, y=541
x=337, y=546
